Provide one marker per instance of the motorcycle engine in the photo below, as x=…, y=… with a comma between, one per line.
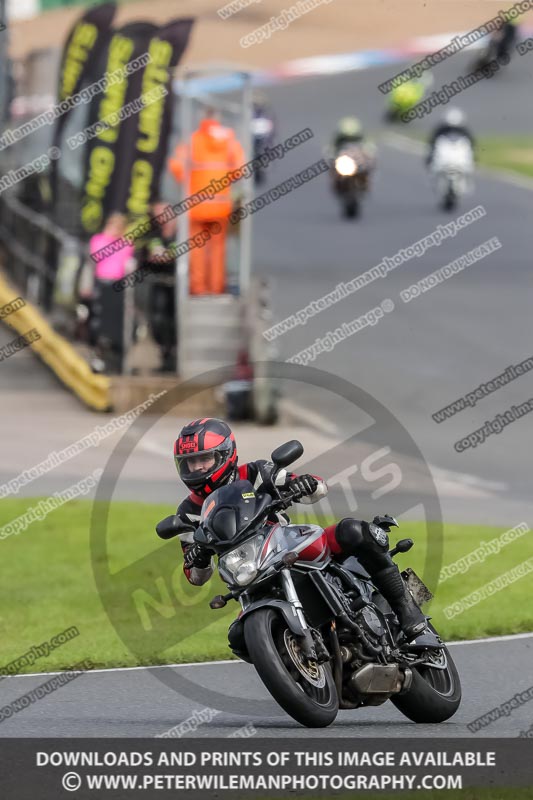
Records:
x=371, y=622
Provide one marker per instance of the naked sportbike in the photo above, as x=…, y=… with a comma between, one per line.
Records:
x=316, y=630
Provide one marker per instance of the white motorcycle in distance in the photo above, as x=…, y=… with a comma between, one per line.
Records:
x=452, y=168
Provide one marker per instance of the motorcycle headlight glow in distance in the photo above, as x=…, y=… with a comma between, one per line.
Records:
x=241, y=563
x=345, y=165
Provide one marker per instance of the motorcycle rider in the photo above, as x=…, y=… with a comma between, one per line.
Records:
x=263, y=130
x=205, y=454
x=350, y=136
x=452, y=124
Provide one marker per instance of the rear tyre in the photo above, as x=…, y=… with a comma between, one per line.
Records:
x=450, y=201
x=306, y=692
x=351, y=209
x=435, y=694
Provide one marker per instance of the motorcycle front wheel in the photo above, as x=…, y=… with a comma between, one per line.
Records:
x=305, y=690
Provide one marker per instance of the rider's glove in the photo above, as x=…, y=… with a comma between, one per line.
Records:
x=196, y=556
x=302, y=486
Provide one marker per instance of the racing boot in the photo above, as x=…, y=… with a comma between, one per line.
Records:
x=391, y=585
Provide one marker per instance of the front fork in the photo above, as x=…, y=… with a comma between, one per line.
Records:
x=306, y=640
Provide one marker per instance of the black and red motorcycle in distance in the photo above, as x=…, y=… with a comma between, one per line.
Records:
x=319, y=634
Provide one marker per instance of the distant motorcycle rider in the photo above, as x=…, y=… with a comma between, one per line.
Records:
x=453, y=124
x=205, y=454
x=349, y=134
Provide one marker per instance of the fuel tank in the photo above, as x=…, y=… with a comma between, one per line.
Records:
x=309, y=541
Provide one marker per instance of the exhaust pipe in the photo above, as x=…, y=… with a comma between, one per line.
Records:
x=380, y=679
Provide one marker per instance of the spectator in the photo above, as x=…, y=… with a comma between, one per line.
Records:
x=111, y=321
x=157, y=257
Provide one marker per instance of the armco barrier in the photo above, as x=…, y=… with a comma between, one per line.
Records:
x=58, y=353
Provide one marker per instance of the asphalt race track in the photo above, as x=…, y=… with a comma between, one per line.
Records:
x=134, y=703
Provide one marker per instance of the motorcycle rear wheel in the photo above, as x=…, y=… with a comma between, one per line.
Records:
x=351, y=209
x=306, y=693
x=435, y=694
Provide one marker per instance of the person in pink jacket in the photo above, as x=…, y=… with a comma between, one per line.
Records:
x=116, y=265
x=110, y=319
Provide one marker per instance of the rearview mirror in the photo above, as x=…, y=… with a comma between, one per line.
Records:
x=286, y=453
x=172, y=526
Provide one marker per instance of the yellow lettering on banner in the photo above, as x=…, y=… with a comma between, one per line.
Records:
x=155, y=75
x=120, y=51
x=141, y=182
x=101, y=164
x=92, y=215
x=76, y=56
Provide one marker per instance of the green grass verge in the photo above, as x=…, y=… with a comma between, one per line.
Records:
x=512, y=153
x=48, y=585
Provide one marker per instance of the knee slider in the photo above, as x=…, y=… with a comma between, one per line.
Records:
x=349, y=535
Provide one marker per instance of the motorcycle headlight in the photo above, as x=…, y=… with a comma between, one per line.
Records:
x=241, y=563
x=345, y=165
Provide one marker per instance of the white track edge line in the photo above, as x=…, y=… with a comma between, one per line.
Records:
x=506, y=638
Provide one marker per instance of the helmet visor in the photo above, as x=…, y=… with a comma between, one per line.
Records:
x=195, y=468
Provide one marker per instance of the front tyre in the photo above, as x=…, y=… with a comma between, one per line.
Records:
x=435, y=693
x=304, y=690
x=351, y=208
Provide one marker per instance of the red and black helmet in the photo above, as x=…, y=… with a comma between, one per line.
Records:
x=205, y=437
